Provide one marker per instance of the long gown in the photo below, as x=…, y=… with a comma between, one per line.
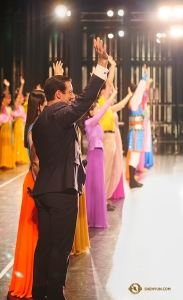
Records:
x=27, y=236
x=146, y=157
x=143, y=133
x=149, y=160
x=81, y=242
x=95, y=180
x=20, y=152
x=116, y=188
x=6, y=139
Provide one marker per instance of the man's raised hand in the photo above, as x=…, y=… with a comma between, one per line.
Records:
x=100, y=49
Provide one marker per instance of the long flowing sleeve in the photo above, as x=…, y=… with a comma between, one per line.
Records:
x=94, y=120
x=4, y=118
x=137, y=97
x=145, y=97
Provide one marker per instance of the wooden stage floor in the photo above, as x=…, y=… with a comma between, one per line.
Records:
x=140, y=256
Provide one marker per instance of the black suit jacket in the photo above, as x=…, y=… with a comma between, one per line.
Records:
x=55, y=137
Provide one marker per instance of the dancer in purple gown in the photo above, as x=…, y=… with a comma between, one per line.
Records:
x=95, y=181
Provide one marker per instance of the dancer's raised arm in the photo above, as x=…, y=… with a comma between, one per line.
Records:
x=122, y=103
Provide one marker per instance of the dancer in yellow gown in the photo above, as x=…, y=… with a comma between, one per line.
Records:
x=81, y=240
x=20, y=152
x=6, y=135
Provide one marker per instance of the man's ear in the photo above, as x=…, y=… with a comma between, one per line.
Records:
x=58, y=94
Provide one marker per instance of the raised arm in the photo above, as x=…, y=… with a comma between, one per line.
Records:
x=122, y=103
x=7, y=84
x=146, y=93
x=94, y=120
x=22, y=81
x=110, y=77
x=137, y=97
x=69, y=114
x=148, y=83
x=145, y=97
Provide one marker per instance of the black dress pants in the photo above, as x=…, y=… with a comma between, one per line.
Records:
x=57, y=214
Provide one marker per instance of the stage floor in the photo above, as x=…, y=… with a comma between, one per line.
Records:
x=140, y=256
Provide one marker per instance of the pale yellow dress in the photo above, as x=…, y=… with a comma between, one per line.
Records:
x=6, y=141
x=20, y=152
x=81, y=240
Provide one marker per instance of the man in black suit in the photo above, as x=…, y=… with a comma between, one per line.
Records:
x=60, y=177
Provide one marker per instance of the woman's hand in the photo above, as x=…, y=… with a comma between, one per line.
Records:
x=129, y=92
x=58, y=69
x=6, y=82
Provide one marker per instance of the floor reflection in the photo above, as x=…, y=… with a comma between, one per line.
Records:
x=150, y=244
x=168, y=148
x=138, y=254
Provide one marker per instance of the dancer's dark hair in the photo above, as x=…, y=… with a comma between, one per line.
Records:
x=88, y=115
x=36, y=98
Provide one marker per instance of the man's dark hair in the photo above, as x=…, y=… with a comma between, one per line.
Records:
x=133, y=87
x=54, y=84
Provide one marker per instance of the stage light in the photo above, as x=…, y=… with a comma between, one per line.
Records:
x=110, y=13
x=178, y=12
x=110, y=35
x=159, y=35
x=158, y=41
x=120, y=12
x=176, y=31
x=61, y=11
x=121, y=33
x=165, y=12
x=68, y=13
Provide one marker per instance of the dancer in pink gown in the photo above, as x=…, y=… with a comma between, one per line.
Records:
x=116, y=188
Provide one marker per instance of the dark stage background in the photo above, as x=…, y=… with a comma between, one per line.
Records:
x=32, y=38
